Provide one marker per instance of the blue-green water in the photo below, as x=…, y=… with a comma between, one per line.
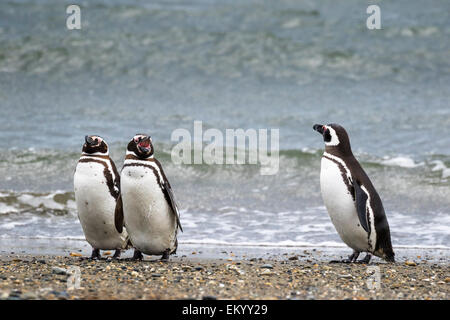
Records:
x=140, y=66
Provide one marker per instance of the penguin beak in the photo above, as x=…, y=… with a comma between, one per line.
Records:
x=319, y=128
x=144, y=145
x=89, y=140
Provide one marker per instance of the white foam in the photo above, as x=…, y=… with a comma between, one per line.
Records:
x=46, y=201
x=290, y=244
x=400, y=161
x=4, y=208
x=440, y=166
x=12, y=224
x=293, y=23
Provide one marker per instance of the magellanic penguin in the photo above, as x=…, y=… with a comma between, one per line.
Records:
x=97, y=187
x=353, y=204
x=147, y=205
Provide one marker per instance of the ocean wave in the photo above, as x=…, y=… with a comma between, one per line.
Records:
x=53, y=203
x=440, y=166
x=37, y=171
x=404, y=162
x=300, y=244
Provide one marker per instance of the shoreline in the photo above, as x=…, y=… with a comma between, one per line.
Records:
x=62, y=247
x=40, y=271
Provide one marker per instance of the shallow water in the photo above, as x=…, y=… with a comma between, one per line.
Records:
x=140, y=67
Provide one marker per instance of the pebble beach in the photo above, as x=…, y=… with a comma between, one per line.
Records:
x=286, y=276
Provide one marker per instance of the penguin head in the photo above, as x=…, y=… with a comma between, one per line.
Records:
x=334, y=136
x=95, y=145
x=141, y=146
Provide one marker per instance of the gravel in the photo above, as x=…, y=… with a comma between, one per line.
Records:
x=27, y=277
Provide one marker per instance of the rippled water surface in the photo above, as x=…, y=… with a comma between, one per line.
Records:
x=139, y=66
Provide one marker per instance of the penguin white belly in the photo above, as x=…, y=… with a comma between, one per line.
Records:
x=341, y=207
x=147, y=215
x=96, y=207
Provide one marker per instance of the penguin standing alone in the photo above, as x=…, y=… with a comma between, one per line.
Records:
x=97, y=185
x=147, y=205
x=353, y=204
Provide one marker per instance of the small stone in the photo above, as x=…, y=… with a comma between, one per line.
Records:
x=58, y=270
x=62, y=295
x=410, y=263
x=293, y=258
x=447, y=279
x=15, y=293
x=156, y=275
x=267, y=266
x=235, y=269
x=134, y=273
x=75, y=254
x=209, y=298
x=29, y=296
x=267, y=272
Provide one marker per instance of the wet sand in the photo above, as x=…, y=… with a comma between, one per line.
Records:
x=234, y=273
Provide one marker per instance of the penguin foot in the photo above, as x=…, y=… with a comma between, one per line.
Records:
x=95, y=254
x=165, y=256
x=352, y=258
x=137, y=255
x=365, y=260
x=390, y=259
x=117, y=254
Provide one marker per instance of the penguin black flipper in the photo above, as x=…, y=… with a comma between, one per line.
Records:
x=118, y=215
x=116, y=180
x=361, y=205
x=169, y=195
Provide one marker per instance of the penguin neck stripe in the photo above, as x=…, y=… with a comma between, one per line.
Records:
x=109, y=172
x=345, y=173
x=156, y=171
x=153, y=164
x=340, y=161
x=161, y=178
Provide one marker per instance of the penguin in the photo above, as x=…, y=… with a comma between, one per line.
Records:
x=146, y=205
x=97, y=187
x=353, y=204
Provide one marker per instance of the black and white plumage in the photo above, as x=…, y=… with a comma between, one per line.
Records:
x=352, y=202
x=97, y=187
x=147, y=205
